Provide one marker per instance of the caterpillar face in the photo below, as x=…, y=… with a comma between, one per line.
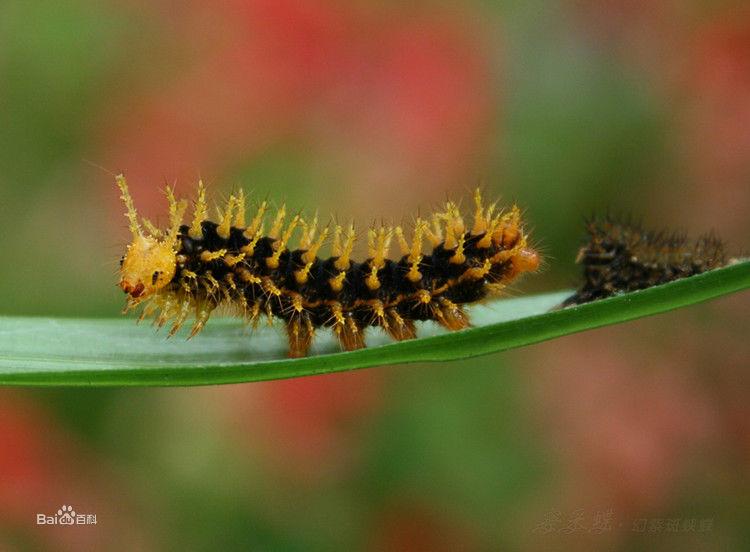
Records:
x=147, y=267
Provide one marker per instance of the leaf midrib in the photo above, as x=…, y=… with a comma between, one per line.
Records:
x=52, y=369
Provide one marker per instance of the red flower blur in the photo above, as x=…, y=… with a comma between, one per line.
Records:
x=391, y=97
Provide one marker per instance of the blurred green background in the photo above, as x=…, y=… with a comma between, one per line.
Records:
x=630, y=438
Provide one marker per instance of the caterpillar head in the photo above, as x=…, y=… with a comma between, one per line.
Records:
x=150, y=261
x=148, y=266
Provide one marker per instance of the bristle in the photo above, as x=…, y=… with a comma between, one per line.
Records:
x=477, y=273
x=225, y=221
x=239, y=217
x=344, y=259
x=379, y=244
x=455, y=219
x=415, y=254
x=312, y=250
x=131, y=213
x=232, y=260
x=480, y=221
x=208, y=256
x=200, y=213
x=278, y=222
x=336, y=248
x=280, y=245
x=176, y=214
x=253, y=229
x=458, y=256
x=435, y=234
x=402, y=243
x=308, y=232
x=151, y=228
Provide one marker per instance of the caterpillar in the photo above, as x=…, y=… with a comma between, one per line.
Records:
x=191, y=269
x=620, y=257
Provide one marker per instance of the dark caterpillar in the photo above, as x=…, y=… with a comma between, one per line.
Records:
x=622, y=257
x=192, y=269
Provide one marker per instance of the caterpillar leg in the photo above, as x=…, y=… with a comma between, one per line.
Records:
x=345, y=328
x=351, y=334
x=169, y=305
x=300, y=331
x=398, y=328
x=253, y=313
x=148, y=310
x=202, y=314
x=450, y=315
x=182, y=314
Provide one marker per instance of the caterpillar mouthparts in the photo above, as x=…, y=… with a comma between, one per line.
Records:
x=190, y=270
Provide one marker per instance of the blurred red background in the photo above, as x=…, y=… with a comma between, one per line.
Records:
x=366, y=109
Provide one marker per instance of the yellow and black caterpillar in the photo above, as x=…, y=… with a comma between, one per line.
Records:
x=190, y=270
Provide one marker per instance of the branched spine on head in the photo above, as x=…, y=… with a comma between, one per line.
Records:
x=190, y=269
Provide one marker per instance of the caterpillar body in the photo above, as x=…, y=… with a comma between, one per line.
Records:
x=620, y=257
x=191, y=269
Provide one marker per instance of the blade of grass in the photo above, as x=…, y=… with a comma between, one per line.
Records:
x=45, y=351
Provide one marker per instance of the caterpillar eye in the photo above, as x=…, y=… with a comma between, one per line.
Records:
x=154, y=277
x=122, y=260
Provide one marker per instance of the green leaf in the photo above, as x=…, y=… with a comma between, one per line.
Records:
x=46, y=351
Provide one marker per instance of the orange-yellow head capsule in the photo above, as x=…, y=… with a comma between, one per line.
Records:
x=148, y=266
x=150, y=261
